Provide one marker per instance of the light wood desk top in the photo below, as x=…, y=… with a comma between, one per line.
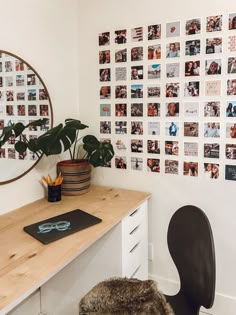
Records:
x=26, y=264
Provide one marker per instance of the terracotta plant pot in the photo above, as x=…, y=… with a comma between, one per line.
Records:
x=76, y=177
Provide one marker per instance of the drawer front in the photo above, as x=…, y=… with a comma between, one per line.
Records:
x=133, y=259
x=135, y=236
x=134, y=219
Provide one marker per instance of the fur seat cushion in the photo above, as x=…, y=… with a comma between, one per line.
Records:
x=122, y=296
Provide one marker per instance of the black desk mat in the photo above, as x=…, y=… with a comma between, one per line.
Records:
x=54, y=228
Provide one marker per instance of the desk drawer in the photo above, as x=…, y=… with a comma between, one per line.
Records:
x=134, y=219
x=134, y=259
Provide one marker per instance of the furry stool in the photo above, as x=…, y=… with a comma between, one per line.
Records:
x=123, y=296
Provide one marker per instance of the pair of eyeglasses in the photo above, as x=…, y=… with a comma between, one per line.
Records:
x=59, y=226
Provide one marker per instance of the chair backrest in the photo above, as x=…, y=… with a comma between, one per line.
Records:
x=191, y=246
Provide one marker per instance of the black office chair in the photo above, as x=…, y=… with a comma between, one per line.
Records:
x=191, y=246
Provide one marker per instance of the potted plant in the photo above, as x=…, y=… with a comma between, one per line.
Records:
x=76, y=170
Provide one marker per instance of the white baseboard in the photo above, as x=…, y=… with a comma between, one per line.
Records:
x=223, y=304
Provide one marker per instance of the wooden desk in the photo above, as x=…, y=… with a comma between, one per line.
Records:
x=26, y=264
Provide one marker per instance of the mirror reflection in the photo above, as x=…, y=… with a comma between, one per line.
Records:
x=23, y=98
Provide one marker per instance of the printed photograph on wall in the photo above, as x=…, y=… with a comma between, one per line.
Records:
x=230, y=172
x=213, y=67
x=136, y=110
x=153, y=146
x=120, y=127
x=105, y=92
x=172, y=109
x=136, y=163
x=121, y=91
x=173, y=29
x=154, y=52
x=121, y=110
x=121, y=55
x=211, y=170
x=231, y=109
x=190, y=169
x=153, y=109
x=231, y=87
x=212, y=129
x=172, y=147
x=137, y=73
x=153, y=165
x=231, y=43
x=105, y=109
x=172, y=89
x=230, y=130
x=172, y=128
x=120, y=145
x=153, y=128
x=232, y=21
x=192, y=47
x=172, y=70
x=211, y=150
x=193, y=26
x=212, y=109
x=104, y=39
x=191, y=89
x=230, y=151
x=154, y=90
x=120, y=37
x=120, y=74
x=154, y=71
x=171, y=167
x=105, y=127
x=214, y=45
x=191, y=129
x=121, y=162
x=105, y=75
x=192, y=68
x=137, y=34
x=136, y=127
x=214, y=23
x=173, y=50
x=191, y=109
x=190, y=148
x=231, y=65
x=136, y=53
x=136, y=145
x=154, y=31
x=136, y=91
x=104, y=56
x=213, y=88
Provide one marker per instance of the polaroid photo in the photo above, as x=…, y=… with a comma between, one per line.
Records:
x=120, y=127
x=172, y=128
x=172, y=147
x=154, y=71
x=230, y=172
x=105, y=127
x=153, y=128
x=104, y=39
x=121, y=162
x=153, y=147
x=171, y=167
x=136, y=110
x=231, y=109
x=104, y=56
x=173, y=29
x=212, y=130
x=232, y=43
x=211, y=150
x=213, y=88
x=211, y=170
x=105, y=92
x=231, y=87
x=136, y=91
x=230, y=130
x=105, y=109
x=136, y=163
x=154, y=52
x=120, y=74
x=192, y=47
x=120, y=37
x=137, y=34
x=212, y=109
x=190, y=169
x=153, y=109
x=172, y=109
x=154, y=31
x=153, y=90
x=136, y=53
x=121, y=91
x=173, y=50
x=136, y=127
x=173, y=70
x=190, y=148
x=191, y=129
x=193, y=26
x=153, y=165
x=230, y=151
x=121, y=110
x=105, y=75
x=214, y=45
x=192, y=68
x=136, y=72
x=192, y=89
x=214, y=23
x=191, y=109
x=172, y=89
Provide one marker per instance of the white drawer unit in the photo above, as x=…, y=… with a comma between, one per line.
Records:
x=135, y=243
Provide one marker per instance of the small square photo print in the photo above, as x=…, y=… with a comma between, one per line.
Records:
x=153, y=109
x=190, y=169
x=232, y=21
x=171, y=167
x=192, y=47
x=153, y=165
x=173, y=50
x=193, y=26
x=154, y=31
x=104, y=39
x=136, y=163
x=154, y=71
x=172, y=70
x=154, y=52
x=173, y=29
x=137, y=34
x=120, y=37
x=214, y=45
x=214, y=23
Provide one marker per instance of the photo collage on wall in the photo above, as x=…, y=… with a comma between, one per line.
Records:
x=23, y=98
x=168, y=96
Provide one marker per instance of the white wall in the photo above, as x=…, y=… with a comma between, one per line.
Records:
x=169, y=192
x=43, y=33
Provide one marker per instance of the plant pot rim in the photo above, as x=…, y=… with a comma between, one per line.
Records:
x=70, y=163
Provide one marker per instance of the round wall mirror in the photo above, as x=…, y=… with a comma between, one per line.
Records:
x=23, y=98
